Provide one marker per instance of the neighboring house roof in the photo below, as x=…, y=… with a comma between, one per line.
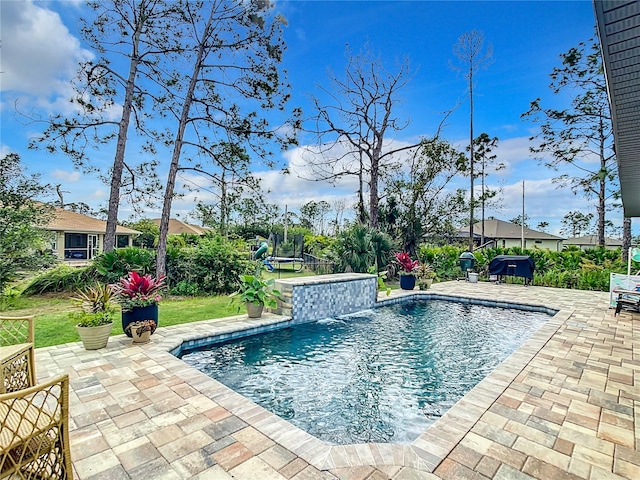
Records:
x=500, y=229
x=592, y=240
x=67, y=221
x=176, y=227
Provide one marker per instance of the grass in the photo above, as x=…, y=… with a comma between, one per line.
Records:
x=54, y=327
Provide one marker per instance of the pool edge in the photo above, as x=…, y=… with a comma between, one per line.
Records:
x=434, y=444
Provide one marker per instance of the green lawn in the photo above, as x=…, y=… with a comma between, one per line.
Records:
x=54, y=327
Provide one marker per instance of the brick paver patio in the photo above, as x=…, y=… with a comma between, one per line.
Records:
x=566, y=405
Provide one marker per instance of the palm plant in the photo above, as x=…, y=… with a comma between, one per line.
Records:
x=361, y=247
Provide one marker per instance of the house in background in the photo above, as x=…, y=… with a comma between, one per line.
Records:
x=77, y=237
x=507, y=234
x=176, y=227
x=591, y=241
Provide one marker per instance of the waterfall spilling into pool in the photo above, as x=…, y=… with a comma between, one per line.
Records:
x=379, y=375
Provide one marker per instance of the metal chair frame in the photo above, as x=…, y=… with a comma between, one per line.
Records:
x=17, y=362
x=34, y=439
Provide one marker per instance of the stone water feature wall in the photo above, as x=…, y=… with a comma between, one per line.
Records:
x=313, y=298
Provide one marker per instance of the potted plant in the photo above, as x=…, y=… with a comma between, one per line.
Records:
x=141, y=330
x=382, y=276
x=256, y=292
x=407, y=272
x=426, y=276
x=138, y=295
x=94, y=320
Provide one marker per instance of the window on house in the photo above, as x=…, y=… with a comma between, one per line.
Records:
x=122, y=241
x=76, y=246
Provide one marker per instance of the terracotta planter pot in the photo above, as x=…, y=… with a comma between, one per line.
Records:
x=139, y=335
x=426, y=284
x=138, y=314
x=94, y=338
x=254, y=310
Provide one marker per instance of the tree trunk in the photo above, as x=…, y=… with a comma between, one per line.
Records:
x=161, y=259
x=601, y=213
x=223, y=205
x=375, y=154
x=471, y=197
x=362, y=217
x=626, y=239
x=602, y=188
x=123, y=128
x=373, y=197
x=483, y=201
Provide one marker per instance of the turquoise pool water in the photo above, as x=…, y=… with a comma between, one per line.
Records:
x=381, y=375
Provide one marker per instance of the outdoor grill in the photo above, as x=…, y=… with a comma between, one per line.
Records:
x=513, y=265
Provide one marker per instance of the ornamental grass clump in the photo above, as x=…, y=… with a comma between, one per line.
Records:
x=137, y=290
x=94, y=306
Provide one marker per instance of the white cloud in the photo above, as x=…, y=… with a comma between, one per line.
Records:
x=66, y=176
x=294, y=192
x=309, y=161
x=512, y=152
x=39, y=54
x=279, y=188
x=543, y=201
x=98, y=194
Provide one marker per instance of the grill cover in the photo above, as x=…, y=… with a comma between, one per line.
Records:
x=516, y=265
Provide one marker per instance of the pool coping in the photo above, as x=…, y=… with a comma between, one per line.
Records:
x=431, y=447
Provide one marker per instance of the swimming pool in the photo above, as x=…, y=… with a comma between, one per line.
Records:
x=382, y=375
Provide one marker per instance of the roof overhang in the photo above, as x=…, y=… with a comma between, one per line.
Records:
x=618, y=23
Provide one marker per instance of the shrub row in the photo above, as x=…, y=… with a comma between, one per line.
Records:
x=570, y=268
x=210, y=266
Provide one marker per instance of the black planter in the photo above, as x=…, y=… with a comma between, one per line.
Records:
x=407, y=282
x=138, y=314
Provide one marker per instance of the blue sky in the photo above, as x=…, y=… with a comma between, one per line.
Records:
x=41, y=49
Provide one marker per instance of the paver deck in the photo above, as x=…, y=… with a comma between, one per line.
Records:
x=566, y=405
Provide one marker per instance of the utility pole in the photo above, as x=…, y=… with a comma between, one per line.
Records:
x=472, y=57
x=523, y=217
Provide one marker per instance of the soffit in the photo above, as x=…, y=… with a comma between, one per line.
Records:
x=618, y=25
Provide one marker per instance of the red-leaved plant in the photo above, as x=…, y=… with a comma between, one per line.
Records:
x=137, y=290
x=407, y=265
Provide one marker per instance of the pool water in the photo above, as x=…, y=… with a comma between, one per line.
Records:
x=379, y=376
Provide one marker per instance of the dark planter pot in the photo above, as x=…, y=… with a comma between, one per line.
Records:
x=407, y=282
x=140, y=313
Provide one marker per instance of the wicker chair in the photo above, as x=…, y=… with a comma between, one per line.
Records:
x=34, y=438
x=14, y=330
x=17, y=369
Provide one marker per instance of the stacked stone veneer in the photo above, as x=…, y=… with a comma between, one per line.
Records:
x=312, y=298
